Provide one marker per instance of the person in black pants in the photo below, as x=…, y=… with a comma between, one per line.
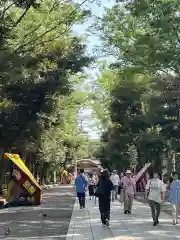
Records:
x=105, y=187
x=81, y=183
x=91, y=186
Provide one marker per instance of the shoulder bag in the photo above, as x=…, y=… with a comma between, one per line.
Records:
x=99, y=190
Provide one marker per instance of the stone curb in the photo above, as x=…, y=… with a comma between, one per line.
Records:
x=49, y=186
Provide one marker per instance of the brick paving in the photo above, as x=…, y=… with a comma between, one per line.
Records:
x=27, y=223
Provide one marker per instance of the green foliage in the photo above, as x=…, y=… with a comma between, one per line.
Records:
x=143, y=85
x=144, y=34
x=41, y=61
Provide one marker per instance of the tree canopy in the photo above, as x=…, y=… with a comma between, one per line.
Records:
x=42, y=63
x=135, y=100
x=142, y=86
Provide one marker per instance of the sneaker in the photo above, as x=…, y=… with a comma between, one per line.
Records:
x=107, y=222
x=125, y=212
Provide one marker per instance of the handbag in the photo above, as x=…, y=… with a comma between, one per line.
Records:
x=99, y=190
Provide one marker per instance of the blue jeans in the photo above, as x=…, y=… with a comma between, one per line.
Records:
x=115, y=192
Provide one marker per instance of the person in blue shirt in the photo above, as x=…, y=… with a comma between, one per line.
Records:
x=174, y=197
x=81, y=184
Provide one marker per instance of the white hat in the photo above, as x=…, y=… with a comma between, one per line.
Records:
x=128, y=172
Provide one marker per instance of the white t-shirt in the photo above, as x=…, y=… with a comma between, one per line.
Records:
x=155, y=187
x=91, y=181
x=115, y=179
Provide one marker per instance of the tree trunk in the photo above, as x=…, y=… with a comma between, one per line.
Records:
x=2, y=169
x=169, y=163
x=54, y=177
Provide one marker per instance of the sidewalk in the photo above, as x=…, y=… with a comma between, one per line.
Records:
x=86, y=225
x=165, y=206
x=28, y=223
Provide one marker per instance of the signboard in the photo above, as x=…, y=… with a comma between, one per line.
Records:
x=25, y=177
x=24, y=180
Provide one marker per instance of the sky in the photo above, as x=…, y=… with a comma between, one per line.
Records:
x=88, y=123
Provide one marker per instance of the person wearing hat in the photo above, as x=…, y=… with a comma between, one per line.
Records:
x=129, y=187
x=116, y=182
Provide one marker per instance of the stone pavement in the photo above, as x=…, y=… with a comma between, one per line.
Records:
x=165, y=206
x=27, y=223
x=86, y=225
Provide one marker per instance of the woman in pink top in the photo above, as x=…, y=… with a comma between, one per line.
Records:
x=129, y=186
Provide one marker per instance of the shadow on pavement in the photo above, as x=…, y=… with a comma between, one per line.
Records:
x=32, y=222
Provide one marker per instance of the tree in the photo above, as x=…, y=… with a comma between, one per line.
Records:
x=138, y=117
x=143, y=34
x=40, y=55
x=144, y=38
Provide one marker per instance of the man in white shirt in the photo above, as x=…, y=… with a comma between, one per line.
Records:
x=155, y=191
x=116, y=181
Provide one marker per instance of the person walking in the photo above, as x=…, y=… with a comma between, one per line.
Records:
x=96, y=178
x=116, y=182
x=81, y=183
x=120, y=184
x=120, y=192
x=129, y=191
x=155, y=193
x=91, y=185
x=103, y=192
x=174, y=197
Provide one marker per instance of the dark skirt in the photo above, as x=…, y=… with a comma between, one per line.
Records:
x=91, y=190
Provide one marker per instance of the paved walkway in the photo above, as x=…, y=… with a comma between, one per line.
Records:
x=86, y=225
x=28, y=223
x=165, y=206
